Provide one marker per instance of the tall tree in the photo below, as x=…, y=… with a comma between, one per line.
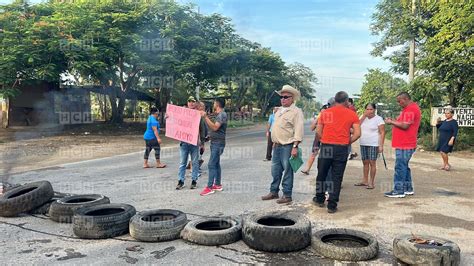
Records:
x=381, y=88
x=444, y=40
x=29, y=46
x=303, y=78
x=447, y=54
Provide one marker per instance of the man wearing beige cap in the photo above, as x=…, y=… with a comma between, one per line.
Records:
x=287, y=133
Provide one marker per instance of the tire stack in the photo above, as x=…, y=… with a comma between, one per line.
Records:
x=62, y=210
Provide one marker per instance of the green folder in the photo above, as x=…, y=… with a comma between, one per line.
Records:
x=296, y=162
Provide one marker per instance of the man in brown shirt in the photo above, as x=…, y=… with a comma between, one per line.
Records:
x=287, y=133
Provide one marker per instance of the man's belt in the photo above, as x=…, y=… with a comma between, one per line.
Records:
x=278, y=144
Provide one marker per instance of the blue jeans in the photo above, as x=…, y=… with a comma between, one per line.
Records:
x=402, y=178
x=186, y=150
x=214, y=164
x=281, y=170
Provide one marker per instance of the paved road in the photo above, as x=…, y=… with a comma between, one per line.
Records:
x=30, y=239
x=35, y=239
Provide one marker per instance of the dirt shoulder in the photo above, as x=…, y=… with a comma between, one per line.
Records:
x=442, y=205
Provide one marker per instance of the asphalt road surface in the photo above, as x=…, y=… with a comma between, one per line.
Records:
x=35, y=239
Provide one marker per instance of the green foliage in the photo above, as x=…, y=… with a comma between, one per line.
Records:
x=28, y=46
x=465, y=140
x=444, y=40
x=110, y=43
x=381, y=88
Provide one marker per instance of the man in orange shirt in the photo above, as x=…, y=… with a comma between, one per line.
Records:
x=334, y=130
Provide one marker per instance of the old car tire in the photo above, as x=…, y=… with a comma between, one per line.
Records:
x=25, y=198
x=213, y=231
x=63, y=209
x=368, y=251
x=157, y=225
x=421, y=254
x=102, y=221
x=277, y=231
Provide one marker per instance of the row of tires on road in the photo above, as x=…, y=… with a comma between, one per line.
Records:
x=94, y=217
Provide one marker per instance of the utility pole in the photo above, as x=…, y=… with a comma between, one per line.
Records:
x=411, y=69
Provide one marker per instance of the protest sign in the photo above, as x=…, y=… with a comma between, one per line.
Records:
x=182, y=124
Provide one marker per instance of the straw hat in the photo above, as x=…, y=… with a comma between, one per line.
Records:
x=287, y=88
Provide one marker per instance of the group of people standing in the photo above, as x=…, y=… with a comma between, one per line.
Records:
x=208, y=129
x=336, y=128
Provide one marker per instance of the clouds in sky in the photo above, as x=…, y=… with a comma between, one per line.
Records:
x=330, y=37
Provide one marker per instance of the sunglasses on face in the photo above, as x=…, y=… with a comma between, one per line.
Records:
x=285, y=97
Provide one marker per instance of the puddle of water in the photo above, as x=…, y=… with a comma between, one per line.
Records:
x=443, y=221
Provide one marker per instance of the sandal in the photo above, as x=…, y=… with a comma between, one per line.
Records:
x=360, y=184
x=370, y=187
x=161, y=166
x=146, y=166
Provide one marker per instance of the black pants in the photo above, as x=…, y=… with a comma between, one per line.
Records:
x=269, y=146
x=331, y=158
x=150, y=145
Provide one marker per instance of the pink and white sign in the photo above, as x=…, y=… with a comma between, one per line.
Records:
x=182, y=124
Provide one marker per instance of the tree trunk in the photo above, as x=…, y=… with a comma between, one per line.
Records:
x=113, y=105
x=117, y=107
x=164, y=98
x=5, y=112
x=120, y=108
x=101, y=102
x=459, y=90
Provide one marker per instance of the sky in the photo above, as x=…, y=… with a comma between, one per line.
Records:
x=331, y=37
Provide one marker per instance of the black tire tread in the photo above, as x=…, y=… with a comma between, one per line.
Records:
x=28, y=201
x=106, y=226
x=157, y=231
x=212, y=238
x=277, y=239
x=62, y=212
x=345, y=253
